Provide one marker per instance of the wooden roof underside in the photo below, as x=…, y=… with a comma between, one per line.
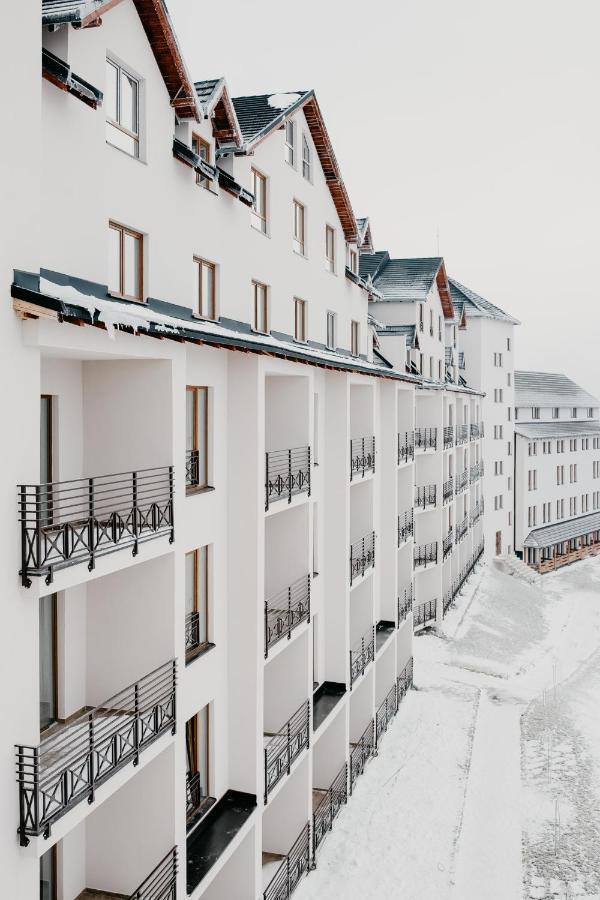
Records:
x=444, y=292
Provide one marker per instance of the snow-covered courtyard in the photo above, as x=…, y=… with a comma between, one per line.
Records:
x=487, y=783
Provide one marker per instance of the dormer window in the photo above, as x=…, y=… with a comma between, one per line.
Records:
x=202, y=149
x=122, y=109
x=306, y=161
x=290, y=142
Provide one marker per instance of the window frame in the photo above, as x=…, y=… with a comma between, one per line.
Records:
x=306, y=158
x=200, y=143
x=354, y=337
x=330, y=260
x=259, y=222
x=197, y=434
x=124, y=230
x=124, y=71
x=290, y=147
x=256, y=285
x=299, y=214
x=300, y=320
x=199, y=262
x=331, y=318
x=201, y=557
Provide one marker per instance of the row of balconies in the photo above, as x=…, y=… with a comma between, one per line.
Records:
x=426, y=613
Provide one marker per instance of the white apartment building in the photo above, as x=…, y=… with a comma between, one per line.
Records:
x=557, y=470
x=234, y=504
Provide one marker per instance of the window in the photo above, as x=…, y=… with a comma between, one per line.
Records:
x=125, y=262
x=509, y=448
x=259, y=207
x=352, y=260
x=555, y=412
x=535, y=412
x=48, y=644
x=532, y=480
x=299, y=228
x=560, y=474
x=48, y=875
x=290, y=142
x=498, y=432
x=329, y=248
x=439, y=328
x=497, y=395
x=431, y=323
x=197, y=761
x=354, y=338
x=596, y=470
x=331, y=323
x=499, y=502
x=306, y=170
x=431, y=367
x=300, y=320
x=509, y=522
x=590, y=412
x=498, y=466
x=121, y=102
x=508, y=379
x=196, y=600
x=574, y=412
x=508, y=343
x=202, y=149
x=531, y=516
x=260, y=318
x=205, y=289
x=420, y=363
x=196, y=438
x=421, y=317
x=508, y=413
x=439, y=370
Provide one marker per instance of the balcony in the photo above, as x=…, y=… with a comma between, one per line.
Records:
x=405, y=603
x=462, y=434
x=208, y=841
x=66, y=523
x=463, y=575
x=448, y=437
x=447, y=544
x=476, y=472
x=289, y=869
x=475, y=431
x=362, y=456
x=426, y=496
x=406, y=526
x=447, y=601
x=361, y=752
x=327, y=803
x=361, y=655
x=448, y=490
x=461, y=529
x=426, y=554
x=406, y=447
x=325, y=699
x=192, y=468
x=424, y=613
x=79, y=756
x=362, y=556
x=462, y=482
x=405, y=680
x=383, y=631
x=196, y=802
x=426, y=439
x=285, y=611
x=160, y=884
x=477, y=512
x=386, y=713
x=461, y=359
x=283, y=748
x=287, y=474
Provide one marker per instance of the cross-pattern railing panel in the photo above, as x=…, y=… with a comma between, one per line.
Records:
x=385, y=713
x=192, y=631
x=426, y=554
x=405, y=604
x=286, y=746
x=406, y=446
x=424, y=613
x=425, y=438
x=192, y=468
x=287, y=474
x=362, y=555
x=360, y=752
x=475, y=431
x=333, y=799
x=286, y=610
x=362, y=456
x=406, y=526
x=68, y=522
x=361, y=655
x=292, y=868
x=447, y=544
x=72, y=762
x=448, y=489
x=426, y=496
x=161, y=883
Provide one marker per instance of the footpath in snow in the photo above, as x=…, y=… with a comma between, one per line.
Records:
x=487, y=783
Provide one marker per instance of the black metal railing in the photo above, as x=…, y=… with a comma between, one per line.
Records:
x=424, y=613
x=426, y=438
x=448, y=489
x=448, y=436
x=71, y=763
x=405, y=680
x=465, y=572
x=192, y=468
x=161, y=883
x=406, y=526
x=476, y=472
x=386, y=713
x=286, y=610
x=362, y=555
x=362, y=456
x=406, y=446
x=293, y=867
x=192, y=631
x=462, y=434
x=426, y=496
x=405, y=602
x=426, y=554
x=461, y=529
x=285, y=746
x=461, y=359
x=475, y=431
x=477, y=511
x=193, y=793
x=447, y=544
x=64, y=523
x=361, y=752
x=462, y=481
x=447, y=601
x=361, y=655
x=329, y=806
x=287, y=474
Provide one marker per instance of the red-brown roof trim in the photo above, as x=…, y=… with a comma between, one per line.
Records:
x=443, y=287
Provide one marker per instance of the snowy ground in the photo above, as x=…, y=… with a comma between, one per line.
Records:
x=487, y=784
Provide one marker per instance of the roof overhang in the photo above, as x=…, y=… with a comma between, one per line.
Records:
x=443, y=287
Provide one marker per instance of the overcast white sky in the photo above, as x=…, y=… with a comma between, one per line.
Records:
x=479, y=119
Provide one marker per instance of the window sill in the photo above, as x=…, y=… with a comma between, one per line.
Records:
x=260, y=230
x=197, y=652
x=298, y=253
x=197, y=489
x=264, y=333
x=116, y=296
x=137, y=159
x=200, y=318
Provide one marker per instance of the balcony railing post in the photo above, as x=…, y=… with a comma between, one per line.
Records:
x=134, y=513
x=266, y=630
x=172, y=503
x=308, y=595
x=91, y=525
x=266, y=481
x=136, y=725
x=289, y=596
x=289, y=476
x=308, y=471
x=25, y=580
x=174, y=695
x=91, y=774
x=289, y=747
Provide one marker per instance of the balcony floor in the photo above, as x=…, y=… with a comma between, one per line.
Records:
x=325, y=698
x=215, y=832
x=383, y=631
x=91, y=894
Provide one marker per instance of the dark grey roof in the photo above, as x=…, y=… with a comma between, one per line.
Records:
x=56, y=12
x=371, y=263
x=573, y=428
x=205, y=89
x=256, y=116
x=409, y=332
x=476, y=305
x=550, y=389
x=562, y=531
x=407, y=279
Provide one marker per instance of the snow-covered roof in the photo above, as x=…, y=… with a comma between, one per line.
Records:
x=463, y=297
x=558, y=532
x=550, y=389
x=541, y=430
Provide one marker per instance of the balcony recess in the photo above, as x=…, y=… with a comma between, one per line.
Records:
x=283, y=748
x=286, y=610
x=329, y=802
x=360, y=752
x=287, y=474
x=291, y=869
x=362, y=456
x=361, y=655
x=406, y=447
x=424, y=613
x=362, y=556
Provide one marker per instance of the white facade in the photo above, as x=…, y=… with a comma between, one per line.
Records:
x=383, y=514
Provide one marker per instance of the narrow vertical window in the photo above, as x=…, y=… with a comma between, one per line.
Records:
x=48, y=875
x=299, y=227
x=331, y=339
x=290, y=142
x=205, y=289
x=420, y=317
x=122, y=109
x=306, y=161
x=329, y=248
x=196, y=601
x=259, y=207
x=197, y=763
x=355, y=338
x=260, y=316
x=352, y=260
x=48, y=661
x=125, y=262
x=202, y=149
x=300, y=320
x=196, y=449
